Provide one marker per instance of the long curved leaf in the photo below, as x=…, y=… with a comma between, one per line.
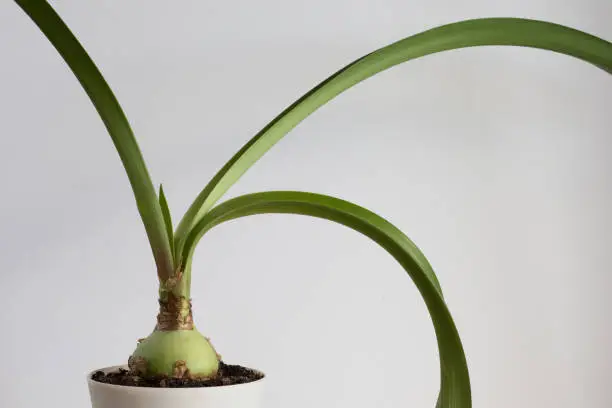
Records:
x=470, y=33
x=455, y=389
x=116, y=123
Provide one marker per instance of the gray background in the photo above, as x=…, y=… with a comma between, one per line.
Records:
x=495, y=161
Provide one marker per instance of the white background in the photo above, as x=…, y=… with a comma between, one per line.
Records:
x=495, y=161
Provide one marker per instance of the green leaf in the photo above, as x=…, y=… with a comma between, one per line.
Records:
x=116, y=123
x=455, y=382
x=163, y=203
x=470, y=33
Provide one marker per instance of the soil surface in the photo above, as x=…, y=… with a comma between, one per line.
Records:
x=227, y=375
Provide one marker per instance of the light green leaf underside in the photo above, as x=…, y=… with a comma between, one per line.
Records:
x=163, y=203
x=115, y=121
x=455, y=383
x=470, y=33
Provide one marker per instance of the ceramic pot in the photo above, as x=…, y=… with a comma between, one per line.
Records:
x=228, y=396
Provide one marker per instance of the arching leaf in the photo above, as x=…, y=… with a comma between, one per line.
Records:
x=455, y=389
x=469, y=33
x=116, y=123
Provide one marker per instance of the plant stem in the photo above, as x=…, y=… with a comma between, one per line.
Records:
x=175, y=310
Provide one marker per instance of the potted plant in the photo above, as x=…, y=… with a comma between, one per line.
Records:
x=176, y=365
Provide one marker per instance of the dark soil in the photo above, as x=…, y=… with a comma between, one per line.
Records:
x=227, y=375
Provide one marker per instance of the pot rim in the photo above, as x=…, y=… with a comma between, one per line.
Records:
x=92, y=382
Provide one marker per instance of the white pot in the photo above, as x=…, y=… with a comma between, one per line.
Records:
x=227, y=396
